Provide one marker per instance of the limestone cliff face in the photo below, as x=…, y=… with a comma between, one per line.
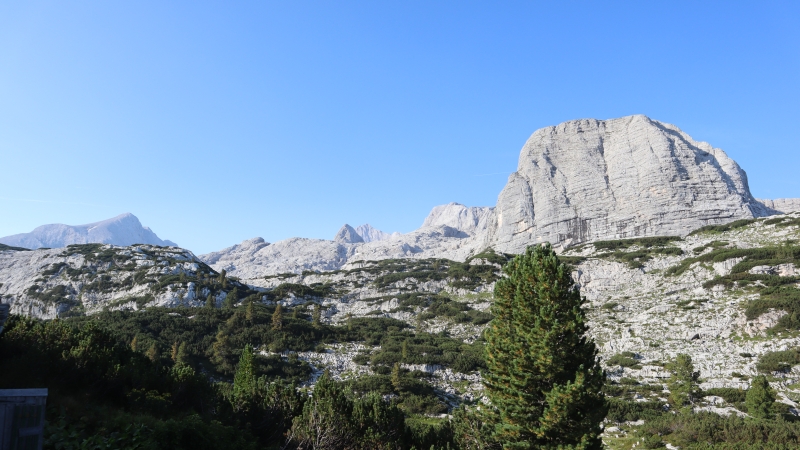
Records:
x=595, y=179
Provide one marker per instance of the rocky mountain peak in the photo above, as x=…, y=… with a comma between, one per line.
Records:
x=603, y=179
x=471, y=220
x=124, y=229
x=348, y=235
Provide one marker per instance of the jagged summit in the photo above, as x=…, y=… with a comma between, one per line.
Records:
x=124, y=229
x=471, y=220
x=348, y=235
x=372, y=234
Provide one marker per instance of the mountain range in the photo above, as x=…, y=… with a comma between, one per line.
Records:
x=124, y=229
x=576, y=182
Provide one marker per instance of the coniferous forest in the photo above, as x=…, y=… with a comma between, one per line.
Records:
x=227, y=378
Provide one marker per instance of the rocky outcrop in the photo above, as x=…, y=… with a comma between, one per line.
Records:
x=782, y=205
x=348, y=235
x=372, y=234
x=48, y=283
x=603, y=179
x=470, y=220
x=122, y=230
x=255, y=258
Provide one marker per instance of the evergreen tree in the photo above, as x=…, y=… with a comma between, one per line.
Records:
x=211, y=302
x=183, y=354
x=250, y=313
x=682, y=384
x=277, y=318
x=231, y=298
x=325, y=420
x=222, y=353
x=222, y=279
x=174, y=351
x=153, y=353
x=404, y=350
x=135, y=344
x=397, y=381
x=244, y=382
x=316, y=317
x=760, y=398
x=544, y=380
x=470, y=430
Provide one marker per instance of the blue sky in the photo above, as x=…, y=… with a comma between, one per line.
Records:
x=215, y=122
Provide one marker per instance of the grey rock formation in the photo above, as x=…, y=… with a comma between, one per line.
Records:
x=579, y=181
x=348, y=235
x=372, y=234
x=471, y=220
x=782, y=205
x=255, y=258
x=124, y=229
x=603, y=179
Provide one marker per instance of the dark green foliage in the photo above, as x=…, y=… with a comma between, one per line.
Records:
x=730, y=395
x=780, y=361
x=645, y=242
x=460, y=275
x=543, y=377
x=439, y=306
x=4, y=247
x=627, y=411
x=780, y=297
x=712, y=244
x=572, y=260
x=110, y=394
x=54, y=295
x=706, y=430
x=423, y=348
x=624, y=359
x=783, y=222
x=683, y=383
x=760, y=399
x=723, y=228
x=332, y=419
x=54, y=269
x=648, y=247
x=472, y=430
x=753, y=257
x=299, y=290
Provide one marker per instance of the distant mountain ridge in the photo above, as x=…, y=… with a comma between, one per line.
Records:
x=576, y=182
x=124, y=229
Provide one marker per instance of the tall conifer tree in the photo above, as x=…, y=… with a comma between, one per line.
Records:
x=277, y=317
x=544, y=380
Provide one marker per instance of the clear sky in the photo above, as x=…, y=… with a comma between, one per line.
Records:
x=215, y=122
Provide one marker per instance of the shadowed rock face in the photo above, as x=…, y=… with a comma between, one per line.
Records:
x=633, y=176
